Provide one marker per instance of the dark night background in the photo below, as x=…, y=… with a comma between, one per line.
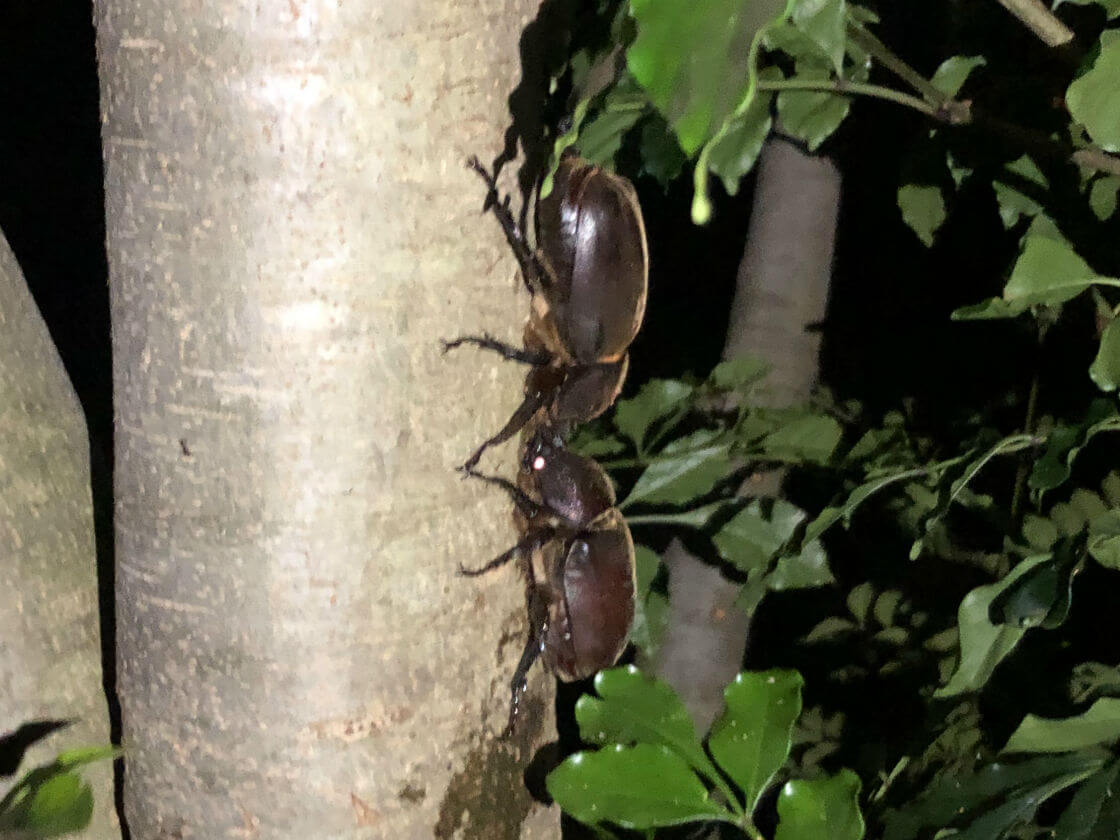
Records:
x=887, y=335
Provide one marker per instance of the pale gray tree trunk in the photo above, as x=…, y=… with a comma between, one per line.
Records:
x=291, y=230
x=781, y=289
x=50, y=646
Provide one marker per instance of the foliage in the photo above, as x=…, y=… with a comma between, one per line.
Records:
x=51, y=800
x=974, y=548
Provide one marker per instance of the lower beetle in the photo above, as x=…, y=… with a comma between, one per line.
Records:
x=580, y=564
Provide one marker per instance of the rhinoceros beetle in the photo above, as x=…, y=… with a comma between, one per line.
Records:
x=588, y=280
x=580, y=563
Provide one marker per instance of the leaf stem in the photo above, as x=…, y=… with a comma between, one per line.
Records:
x=842, y=87
x=1039, y=20
x=885, y=56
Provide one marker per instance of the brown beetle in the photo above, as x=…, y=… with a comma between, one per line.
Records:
x=588, y=281
x=580, y=563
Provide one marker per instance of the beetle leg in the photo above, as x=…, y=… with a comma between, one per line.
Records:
x=529, y=406
x=506, y=351
x=538, y=625
x=533, y=271
x=529, y=509
x=535, y=538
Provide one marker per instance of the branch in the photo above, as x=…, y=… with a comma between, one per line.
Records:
x=1040, y=20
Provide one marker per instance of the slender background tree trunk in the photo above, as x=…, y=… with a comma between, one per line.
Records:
x=291, y=230
x=50, y=647
x=781, y=290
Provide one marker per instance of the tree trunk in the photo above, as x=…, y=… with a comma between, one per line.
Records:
x=781, y=289
x=291, y=230
x=50, y=646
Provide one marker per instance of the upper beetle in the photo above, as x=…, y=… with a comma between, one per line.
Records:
x=588, y=278
x=581, y=571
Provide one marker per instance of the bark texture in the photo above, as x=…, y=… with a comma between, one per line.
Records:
x=781, y=289
x=50, y=646
x=291, y=230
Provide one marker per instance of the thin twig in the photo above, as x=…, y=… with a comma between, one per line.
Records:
x=883, y=54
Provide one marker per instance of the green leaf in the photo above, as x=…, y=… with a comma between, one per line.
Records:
x=807, y=569
x=60, y=805
x=1083, y=814
x=735, y=153
x=1105, y=370
x=1039, y=598
x=956, y=798
x=1017, y=809
x=751, y=740
x=923, y=209
x=1048, y=271
x=1052, y=469
x=951, y=74
x=811, y=116
x=1104, y=539
x=989, y=309
x=750, y=538
x=651, y=618
x=692, y=60
x=636, y=787
x=1100, y=725
x=738, y=374
x=820, y=809
x=824, y=22
x=679, y=477
x=661, y=153
x=656, y=399
x=634, y=708
x=1111, y=7
x=1013, y=203
x=983, y=644
x=646, y=563
x=811, y=438
x=830, y=629
x=1102, y=196
x=601, y=137
x=1093, y=99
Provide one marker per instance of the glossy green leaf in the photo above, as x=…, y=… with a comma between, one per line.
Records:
x=635, y=787
x=952, y=73
x=1094, y=98
x=812, y=438
x=658, y=398
x=984, y=645
x=820, y=809
x=811, y=116
x=1105, y=370
x=634, y=708
x=751, y=740
x=1099, y=725
x=692, y=60
x=680, y=477
x=1039, y=598
x=1098, y=797
x=824, y=22
x=1102, y=196
x=959, y=798
x=1048, y=271
x=923, y=210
